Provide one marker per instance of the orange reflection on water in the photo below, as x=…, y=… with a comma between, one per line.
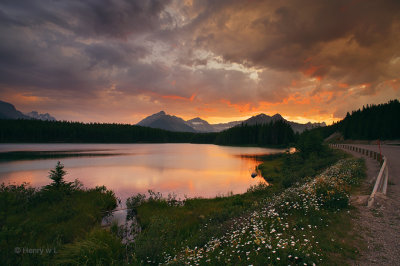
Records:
x=184, y=169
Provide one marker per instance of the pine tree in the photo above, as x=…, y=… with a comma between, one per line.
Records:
x=57, y=175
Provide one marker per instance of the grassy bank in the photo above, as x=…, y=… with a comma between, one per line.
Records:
x=36, y=224
x=303, y=204
x=303, y=224
x=301, y=218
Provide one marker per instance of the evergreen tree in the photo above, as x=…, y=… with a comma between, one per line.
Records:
x=370, y=123
x=57, y=175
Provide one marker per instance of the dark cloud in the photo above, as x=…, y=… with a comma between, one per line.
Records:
x=108, y=18
x=29, y=64
x=242, y=52
x=293, y=35
x=114, y=54
x=70, y=46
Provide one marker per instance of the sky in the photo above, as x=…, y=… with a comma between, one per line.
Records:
x=122, y=60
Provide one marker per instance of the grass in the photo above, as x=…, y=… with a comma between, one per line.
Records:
x=170, y=224
x=47, y=218
x=303, y=217
x=184, y=232
x=271, y=168
x=299, y=225
x=98, y=246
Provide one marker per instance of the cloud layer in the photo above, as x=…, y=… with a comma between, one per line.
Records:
x=120, y=60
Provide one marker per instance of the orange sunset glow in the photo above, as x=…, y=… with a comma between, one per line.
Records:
x=120, y=61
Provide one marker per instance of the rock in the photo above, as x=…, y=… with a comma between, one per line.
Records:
x=359, y=200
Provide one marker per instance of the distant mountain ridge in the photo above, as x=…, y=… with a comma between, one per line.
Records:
x=168, y=122
x=200, y=125
x=223, y=126
x=36, y=115
x=297, y=127
x=165, y=121
x=173, y=123
x=8, y=111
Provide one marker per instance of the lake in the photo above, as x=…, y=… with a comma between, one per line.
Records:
x=192, y=170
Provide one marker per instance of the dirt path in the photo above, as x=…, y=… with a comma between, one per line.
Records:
x=379, y=226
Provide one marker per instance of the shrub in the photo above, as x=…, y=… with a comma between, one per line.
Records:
x=332, y=194
x=133, y=203
x=100, y=247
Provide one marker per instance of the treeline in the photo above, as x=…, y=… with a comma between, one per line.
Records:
x=372, y=122
x=274, y=133
x=37, y=131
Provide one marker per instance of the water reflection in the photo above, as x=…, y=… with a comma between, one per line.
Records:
x=190, y=170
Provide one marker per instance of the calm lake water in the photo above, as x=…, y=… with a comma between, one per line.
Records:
x=194, y=170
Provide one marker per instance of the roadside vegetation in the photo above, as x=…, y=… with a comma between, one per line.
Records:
x=302, y=217
x=306, y=224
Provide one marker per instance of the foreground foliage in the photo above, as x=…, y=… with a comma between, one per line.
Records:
x=302, y=218
x=290, y=222
x=288, y=228
x=35, y=224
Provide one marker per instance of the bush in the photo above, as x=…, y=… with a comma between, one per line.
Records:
x=154, y=240
x=332, y=194
x=47, y=218
x=311, y=142
x=133, y=203
x=100, y=247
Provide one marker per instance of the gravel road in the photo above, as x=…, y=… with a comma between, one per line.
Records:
x=379, y=227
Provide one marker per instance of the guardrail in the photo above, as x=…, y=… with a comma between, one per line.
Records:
x=383, y=176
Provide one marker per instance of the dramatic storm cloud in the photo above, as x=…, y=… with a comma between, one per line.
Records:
x=120, y=60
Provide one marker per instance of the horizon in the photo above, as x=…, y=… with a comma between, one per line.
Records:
x=121, y=61
x=186, y=119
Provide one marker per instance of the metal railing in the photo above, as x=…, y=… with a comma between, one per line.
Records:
x=383, y=176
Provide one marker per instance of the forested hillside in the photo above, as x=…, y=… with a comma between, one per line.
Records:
x=372, y=122
x=274, y=133
x=56, y=131
x=36, y=131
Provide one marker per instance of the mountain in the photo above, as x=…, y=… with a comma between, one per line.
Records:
x=172, y=123
x=8, y=111
x=200, y=125
x=262, y=119
x=265, y=119
x=297, y=127
x=167, y=122
x=36, y=115
x=223, y=126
